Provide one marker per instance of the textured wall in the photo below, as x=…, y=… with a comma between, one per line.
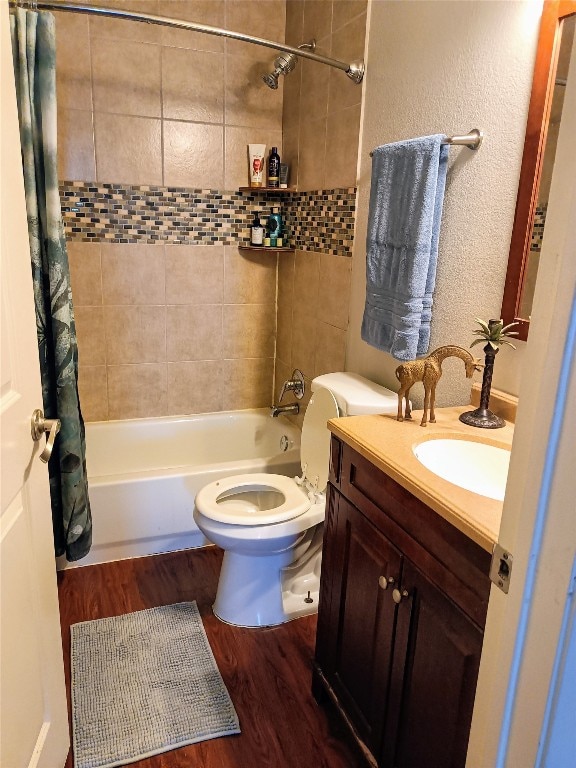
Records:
x=444, y=67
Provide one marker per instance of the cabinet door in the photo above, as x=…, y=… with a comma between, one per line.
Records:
x=437, y=656
x=362, y=623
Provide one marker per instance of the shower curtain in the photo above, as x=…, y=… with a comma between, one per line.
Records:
x=34, y=52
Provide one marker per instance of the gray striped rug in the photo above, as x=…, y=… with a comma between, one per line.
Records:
x=145, y=683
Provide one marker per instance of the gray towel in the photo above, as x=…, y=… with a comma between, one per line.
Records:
x=408, y=180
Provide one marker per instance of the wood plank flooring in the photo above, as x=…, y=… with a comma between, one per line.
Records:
x=266, y=671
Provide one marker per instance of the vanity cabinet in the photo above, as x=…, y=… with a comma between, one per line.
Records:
x=403, y=602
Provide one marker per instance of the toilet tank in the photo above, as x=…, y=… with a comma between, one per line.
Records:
x=356, y=395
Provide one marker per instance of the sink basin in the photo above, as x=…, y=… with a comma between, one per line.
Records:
x=477, y=467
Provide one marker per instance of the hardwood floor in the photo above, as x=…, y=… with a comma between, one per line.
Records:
x=267, y=671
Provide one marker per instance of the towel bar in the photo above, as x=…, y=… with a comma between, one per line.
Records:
x=472, y=140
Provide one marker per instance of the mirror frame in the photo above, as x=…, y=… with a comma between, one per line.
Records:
x=553, y=13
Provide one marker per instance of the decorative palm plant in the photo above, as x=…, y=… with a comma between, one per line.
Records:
x=493, y=334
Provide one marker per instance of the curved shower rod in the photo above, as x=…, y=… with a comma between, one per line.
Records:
x=354, y=70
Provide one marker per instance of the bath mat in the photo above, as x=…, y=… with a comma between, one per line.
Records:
x=145, y=683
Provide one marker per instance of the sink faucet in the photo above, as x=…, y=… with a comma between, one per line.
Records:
x=276, y=410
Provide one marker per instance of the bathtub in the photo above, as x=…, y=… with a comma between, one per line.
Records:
x=144, y=474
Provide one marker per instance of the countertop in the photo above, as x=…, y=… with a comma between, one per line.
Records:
x=388, y=443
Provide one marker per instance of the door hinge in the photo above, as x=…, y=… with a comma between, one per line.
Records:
x=501, y=567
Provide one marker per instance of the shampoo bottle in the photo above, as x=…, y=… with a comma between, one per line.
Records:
x=274, y=168
x=257, y=232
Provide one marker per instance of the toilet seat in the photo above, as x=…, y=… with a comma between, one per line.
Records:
x=234, y=500
x=264, y=499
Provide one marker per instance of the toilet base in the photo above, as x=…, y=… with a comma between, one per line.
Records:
x=266, y=591
x=248, y=589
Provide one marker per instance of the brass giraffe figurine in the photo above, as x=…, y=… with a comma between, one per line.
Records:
x=428, y=370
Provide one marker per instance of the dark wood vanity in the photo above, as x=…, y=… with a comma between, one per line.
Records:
x=403, y=603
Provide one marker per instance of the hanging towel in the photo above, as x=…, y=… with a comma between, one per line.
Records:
x=406, y=195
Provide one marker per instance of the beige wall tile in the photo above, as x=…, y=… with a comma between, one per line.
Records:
x=135, y=334
x=344, y=11
x=330, y=349
x=193, y=155
x=294, y=22
x=93, y=393
x=311, y=156
x=209, y=12
x=85, y=273
x=194, y=332
x=284, y=334
x=249, y=278
x=347, y=45
x=126, y=78
x=76, y=160
x=249, y=101
x=286, y=268
x=290, y=141
x=249, y=330
x=195, y=387
x=73, y=73
x=303, y=343
x=194, y=274
x=334, y=294
x=193, y=85
x=136, y=391
x=314, y=90
x=291, y=111
x=236, y=152
x=128, y=149
x=90, y=335
x=266, y=18
x=133, y=273
x=120, y=29
x=317, y=18
x=282, y=373
x=247, y=383
x=342, y=148
x=306, y=282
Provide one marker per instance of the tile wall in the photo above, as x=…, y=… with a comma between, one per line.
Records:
x=321, y=127
x=165, y=328
x=175, y=319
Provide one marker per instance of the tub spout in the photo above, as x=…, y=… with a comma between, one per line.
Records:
x=276, y=410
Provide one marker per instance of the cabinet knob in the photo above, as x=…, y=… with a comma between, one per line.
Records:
x=398, y=596
x=384, y=582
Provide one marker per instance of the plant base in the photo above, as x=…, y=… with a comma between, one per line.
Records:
x=482, y=417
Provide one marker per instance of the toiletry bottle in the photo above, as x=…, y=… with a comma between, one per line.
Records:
x=257, y=231
x=275, y=225
x=274, y=168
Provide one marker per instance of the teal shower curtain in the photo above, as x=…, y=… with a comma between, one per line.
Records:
x=34, y=52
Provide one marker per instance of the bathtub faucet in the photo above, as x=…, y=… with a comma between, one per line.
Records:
x=276, y=410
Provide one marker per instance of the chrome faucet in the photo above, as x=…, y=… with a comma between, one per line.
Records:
x=276, y=410
x=296, y=385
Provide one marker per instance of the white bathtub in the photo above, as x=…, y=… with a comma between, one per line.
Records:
x=143, y=474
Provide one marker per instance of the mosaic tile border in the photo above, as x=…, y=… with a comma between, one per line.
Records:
x=322, y=220
x=538, y=228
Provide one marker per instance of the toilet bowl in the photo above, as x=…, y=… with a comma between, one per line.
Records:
x=270, y=526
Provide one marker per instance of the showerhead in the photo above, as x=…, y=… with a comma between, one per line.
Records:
x=282, y=65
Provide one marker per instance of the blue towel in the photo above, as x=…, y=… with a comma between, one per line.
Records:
x=408, y=180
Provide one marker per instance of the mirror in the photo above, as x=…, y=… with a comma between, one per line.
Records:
x=555, y=42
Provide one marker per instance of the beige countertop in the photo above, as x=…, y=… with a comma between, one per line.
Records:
x=388, y=444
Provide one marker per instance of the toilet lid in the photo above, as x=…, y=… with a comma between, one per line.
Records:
x=315, y=442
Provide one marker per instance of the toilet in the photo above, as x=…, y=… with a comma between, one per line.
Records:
x=271, y=526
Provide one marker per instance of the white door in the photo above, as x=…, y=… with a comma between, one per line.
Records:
x=33, y=717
